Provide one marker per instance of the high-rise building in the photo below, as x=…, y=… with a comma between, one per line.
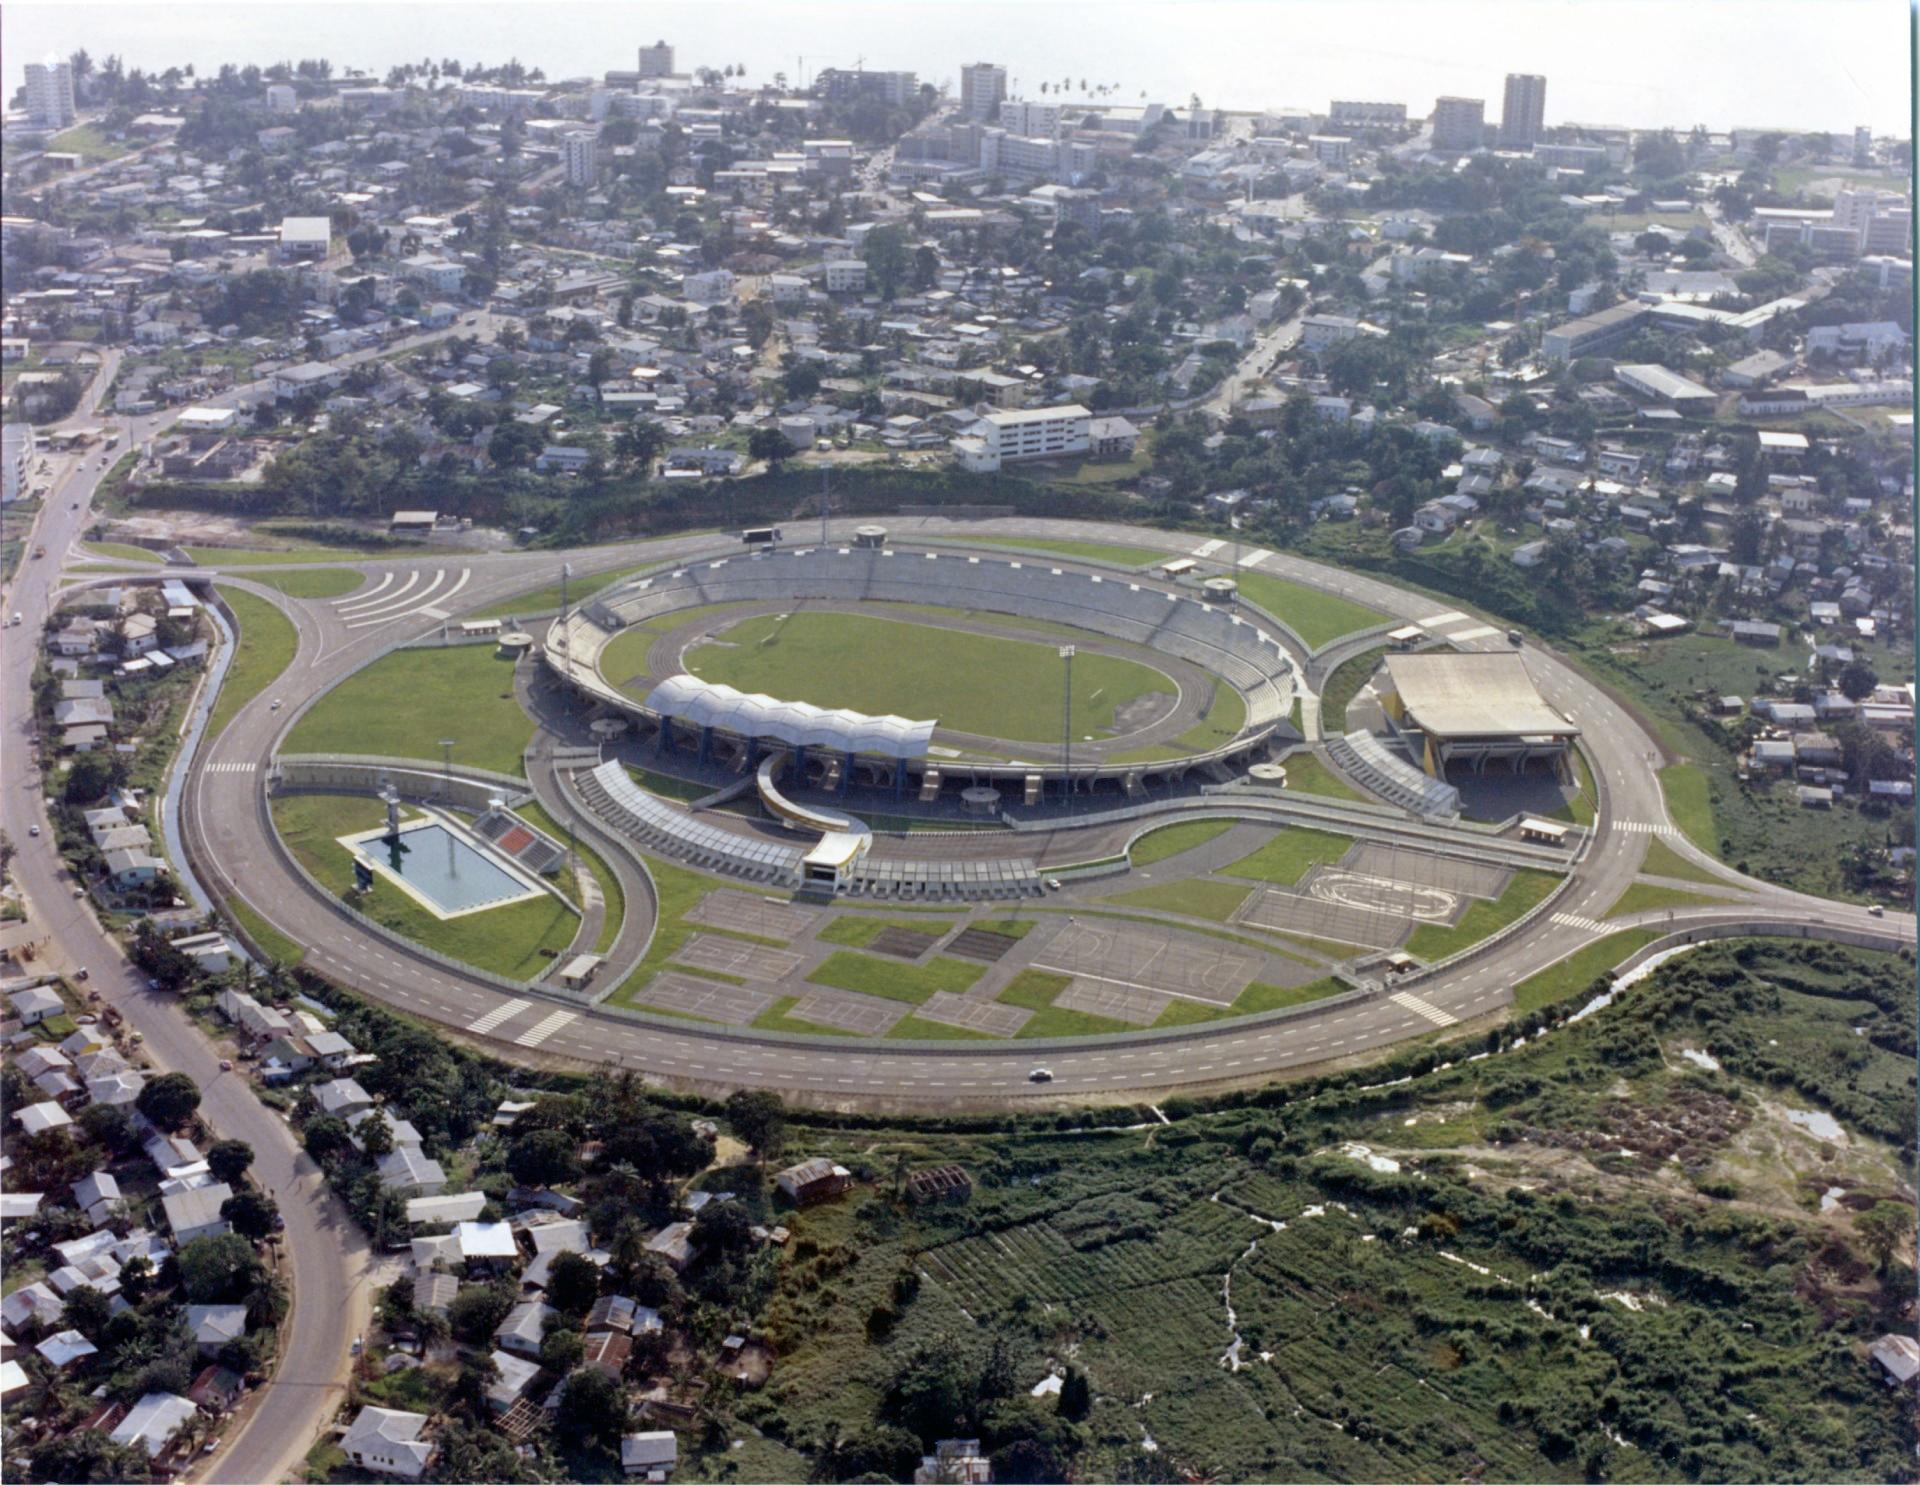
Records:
x=656, y=61
x=982, y=86
x=1862, y=145
x=281, y=98
x=1353, y=114
x=581, y=151
x=50, y=93
x=1459, y=123
x=1523, y=111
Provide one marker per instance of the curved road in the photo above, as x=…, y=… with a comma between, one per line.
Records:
x=231, y=836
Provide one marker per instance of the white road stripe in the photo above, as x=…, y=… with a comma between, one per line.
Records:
x=1574, y=920
x=1483, y=631
x=544, y=1029
x=386, y=578
x=1407, y=1000
x=370, y=602
x=1208, y=548
x=505, y=1011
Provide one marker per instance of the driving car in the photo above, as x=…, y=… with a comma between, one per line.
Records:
x=1040, y=1075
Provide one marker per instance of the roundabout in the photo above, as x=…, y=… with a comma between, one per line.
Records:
x=937, y=977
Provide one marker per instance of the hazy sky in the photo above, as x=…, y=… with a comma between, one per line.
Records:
x=1804, y=64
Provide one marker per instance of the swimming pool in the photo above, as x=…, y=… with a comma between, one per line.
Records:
x=441, y=869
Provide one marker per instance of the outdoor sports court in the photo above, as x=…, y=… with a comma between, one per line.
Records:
x=1185, y=965
x=1464, y=878
x=866, y=1014
x=973, y=1014
x=1127, y=1003
x=734, y=1005
x=729, y=956
x=1287, y=910
x=744, y=913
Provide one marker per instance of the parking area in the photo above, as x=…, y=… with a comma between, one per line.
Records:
x=732, y=1005
x=1287, y=910
x=986, y=1016
x=1180, y=963
x=729, y=956
x=865, y=1014
x=1462, y=878
x=1129, y=1003
x=744, y=913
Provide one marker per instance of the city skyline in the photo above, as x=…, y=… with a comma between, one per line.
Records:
x=1818, y=67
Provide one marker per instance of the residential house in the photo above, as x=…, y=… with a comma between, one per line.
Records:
x=387, y=1441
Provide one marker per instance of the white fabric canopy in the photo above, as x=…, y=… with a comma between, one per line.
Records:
x=798, y=723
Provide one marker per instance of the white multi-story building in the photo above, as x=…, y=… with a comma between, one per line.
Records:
x=983, y=87
x=1523, y=110
x=1352, y=114
x=16, y=459
x=846, y=276
x=1035, y=432
x=50, y=93
x=656, y=61
x=581, y=150
x=1320, y=331
x=281, y=98
x=1459, y=123
x=715, y=286
x=1332, y=150
x=1025, y=117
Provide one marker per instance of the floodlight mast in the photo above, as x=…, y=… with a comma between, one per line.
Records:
x=1066, y=725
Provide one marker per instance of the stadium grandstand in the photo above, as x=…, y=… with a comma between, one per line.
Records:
x=1472, y=709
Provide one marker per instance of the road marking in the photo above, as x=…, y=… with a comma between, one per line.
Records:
x=1574, y=920
x=544, y=1029
x=1255, y=558
x=505, y=1011
x=386, y=578
x=1407, y=1000
x=353, y=606
x=1440, y=621
x=1482, y=631
x=1208, y=548
x=232, y=768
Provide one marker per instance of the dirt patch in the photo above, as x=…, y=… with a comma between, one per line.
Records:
x=983, y=944
x=1143, y=711
x=1691, y=1127
x=903, y=943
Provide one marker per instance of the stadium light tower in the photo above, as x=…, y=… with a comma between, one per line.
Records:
x=1066, y=726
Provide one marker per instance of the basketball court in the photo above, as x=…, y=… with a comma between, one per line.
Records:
x=1463, y=878
x=1186, y=965
x=986, y=1016
x=1127, y=1003
x=744, y=913
x=729, y=956
x=866, y=1014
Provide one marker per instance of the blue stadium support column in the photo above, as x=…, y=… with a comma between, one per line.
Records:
x=798, y=772
x=846, y=773
x=899, y=779
x=664, y=742
x=706, y=745
x=753, y=753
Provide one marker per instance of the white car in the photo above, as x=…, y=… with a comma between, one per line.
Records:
x=1040, y=1075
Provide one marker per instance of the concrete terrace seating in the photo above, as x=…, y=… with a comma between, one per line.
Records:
x=1393, y=778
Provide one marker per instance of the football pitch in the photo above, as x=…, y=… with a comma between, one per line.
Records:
x=988, y=685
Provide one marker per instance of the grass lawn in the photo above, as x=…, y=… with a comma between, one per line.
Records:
x=1197, y=897
x=1663, y=861
x=1685, y=786
x=1226, y=716
x=1286, y=858
x=1257, y=997
x=610, y=893
x=891, y=979
x=507, y=940
x=775, y=1018
x=313, y=582
x=986, y=684
x=1307, y=774
x=268, y=939
x=302, y=556
x=1087, y=551
x=1435, y=941
x=547, y=599
x=1574, y=974
x=265, y=647
x=856, y=931
x=1649, y=897
x=120, y=551
x=1034, y=990
x=1318, y=618
x=1171, y=840
x=90, y=142
x=679, y=891
x=404, y=703
x=1343, y=685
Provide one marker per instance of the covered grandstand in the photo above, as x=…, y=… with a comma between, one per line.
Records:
x=1472, y=709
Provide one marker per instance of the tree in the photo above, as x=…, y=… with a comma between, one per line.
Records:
x=106, y=1125
x=218, y=1270
x=760, y=1118
x=723, y=1227
x=477, y=1310
x=769, y=444
x=251, y=1213
x=546, y=1157
x=376, y=1137
x=802, y=381
x=594, y=1410
x=1884, y=1229
x=326, y=1137
x=1857, y=680
x=228, y=1160
x=87, y=1455
x=561, y=1350
x=87, y=1310
x=1076, y=1397
x=639, y=443
x=91, y=777
x=573, y=1284
x=169, y=1100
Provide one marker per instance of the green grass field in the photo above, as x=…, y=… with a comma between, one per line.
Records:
x=265, y=648
x=268, y=939
x=891, y=979
x=1196, y=897
x=120, y=551
x=1318, y=618
x=312, y=582
x=305, y=555
x=856, y=931
x=517, y=940
x=1171, y=840
x=1574, y=974
x=1685, y=786
x=545, y=599
x=1307, y=774
x=1088, y=551
x=90, y=142
x=1343, y=685
x=1663, y=861
x=1034, y=990
x=997, y=687
x=404, y=703
x=775, y=1018
x=1435, y=941
x=1650, y=897
x=1286, y=858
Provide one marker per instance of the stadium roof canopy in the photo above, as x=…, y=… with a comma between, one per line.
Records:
x=706, y=704
x=1474, y=695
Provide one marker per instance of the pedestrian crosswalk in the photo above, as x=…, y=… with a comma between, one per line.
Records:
x=1408, y=1001
x=1639, y=827
x=231, y=768
x=505, y=1011
x=1584, y=925
x=540, y=1031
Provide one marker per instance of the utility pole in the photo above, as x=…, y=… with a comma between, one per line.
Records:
x=825, y=502
x=1066, y=725
x=566, y=646
x=446, y=761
